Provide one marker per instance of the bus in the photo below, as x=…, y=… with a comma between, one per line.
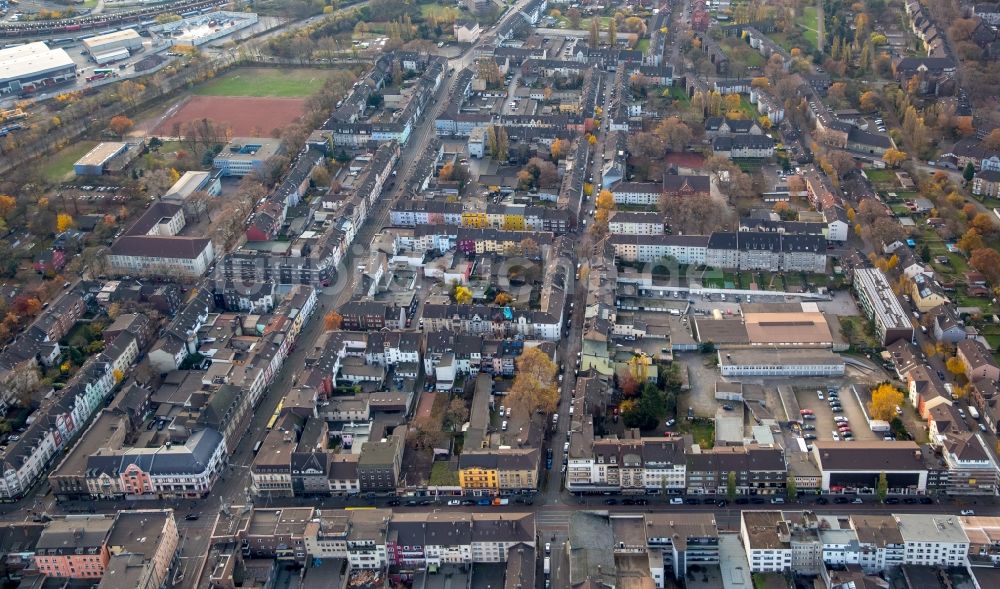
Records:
x=105, y=71
x=274, y=417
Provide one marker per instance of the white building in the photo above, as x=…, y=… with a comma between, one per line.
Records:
x=766, y=541
x=774, y=363
x=635, y=223
x=933, y=540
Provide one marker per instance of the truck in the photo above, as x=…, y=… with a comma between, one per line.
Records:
x=880, y=427
x=973, y=412
x=498, y=501
x=547, y=565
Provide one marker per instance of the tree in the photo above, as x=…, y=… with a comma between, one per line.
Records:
x=992, y=141
x=987, y=261
x=457, y=413
x=969, y=172
x=605, y=200
x=120, y=125
x=893, y=157
x=534, y=388
x=882, y=488
x=791, y=489
x=628, y=385
x=63, y=222
x=970, y=241
x=955, y=365
x=885, y=399
x=502, y=299
x=118, y=375
x=574, y=16
x=731, y=485
x=446, y=172
x=558, y=149
x=7, y=204
x=595, y=33
x=983, y=223
x=321, y=177
x=649, y=410
x=462, y=295
x=674, y=133
x=869, y=101
x=333, y=320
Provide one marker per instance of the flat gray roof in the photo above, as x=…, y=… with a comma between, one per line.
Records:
x=101, y=153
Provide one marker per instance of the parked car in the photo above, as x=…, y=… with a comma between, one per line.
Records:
x=841, y=500
x=926, y=501
x=858, y=501
x=891, y=500
x=454, y=502
x=822, y=501
x=968, y=512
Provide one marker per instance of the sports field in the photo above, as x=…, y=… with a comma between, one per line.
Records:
x=243, y=116
x=265, y=83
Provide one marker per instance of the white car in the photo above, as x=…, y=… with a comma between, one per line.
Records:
x=968, y=512
x=454, y=502
x=836, y=437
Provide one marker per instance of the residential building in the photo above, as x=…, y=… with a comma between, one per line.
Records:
x=498, y=470
x=881, y=306
x=933, y=540
x=380, y=463
x=75, y=547
x=978, y=360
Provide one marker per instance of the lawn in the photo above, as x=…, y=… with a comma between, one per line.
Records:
x=880, y=176
x=808, y=21
x=702, y=430
x=855, y=329
x=59, y=167
x=443, y=474
x=643, y=46
x=437, y=11
x=680, y=94
x=265, y=82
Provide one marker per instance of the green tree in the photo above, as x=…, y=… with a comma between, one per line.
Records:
x=969, y=172
x=650, y=409
x=731, y=485
x=790, y=487
x=882, y=490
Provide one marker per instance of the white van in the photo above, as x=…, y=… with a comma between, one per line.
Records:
x=676, y=501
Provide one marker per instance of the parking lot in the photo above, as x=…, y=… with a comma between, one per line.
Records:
x=825, y=425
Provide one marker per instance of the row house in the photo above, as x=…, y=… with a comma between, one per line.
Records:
x=978, y=360
x=29, y=453
x=652, y=249
x=496, y=471
x=635, y=223
x=748, y=250
x=782, y=541
x=499, y=322
x=743, y=146
x=759, y=471
x=629, y=465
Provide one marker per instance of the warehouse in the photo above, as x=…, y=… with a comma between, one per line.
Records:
x=109, y=42
x=94, y=161
x=797, y=329
x=780, y=362
x=28, y=67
